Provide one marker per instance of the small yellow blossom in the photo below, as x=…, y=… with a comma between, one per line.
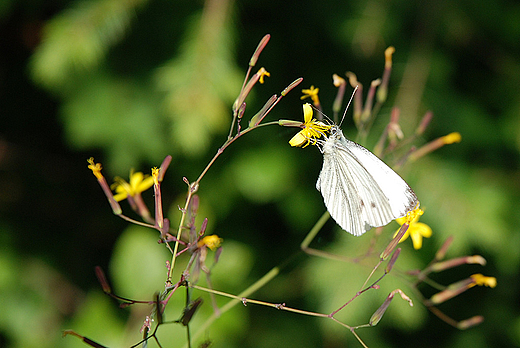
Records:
x=338, y=80
x=433, y=145
x=95, y=168
x=417, y=230
x=451, y=138
x=211, y=242
x=262, y=72
x=388, y=57
x=311, y=129
x=311, y=93
x=138, y=183
x=155, y=175
x=412, y=215
x=482, y=280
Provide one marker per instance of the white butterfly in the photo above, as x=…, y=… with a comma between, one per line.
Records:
x=359, y=190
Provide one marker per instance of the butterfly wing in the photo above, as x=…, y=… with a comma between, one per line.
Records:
x=359, y=190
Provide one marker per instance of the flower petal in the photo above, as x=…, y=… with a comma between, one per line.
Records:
x=401, y=220
x=135, y=179
x=120, y=196
x=416, y=239
x=145, y=184
x=423, y=229
x=298, y=140
x=307, y=113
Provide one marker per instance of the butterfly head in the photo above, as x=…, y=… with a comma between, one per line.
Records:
x=335, y=134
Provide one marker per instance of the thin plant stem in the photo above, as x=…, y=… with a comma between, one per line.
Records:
x=314, y=231
x=372, y=273
x=194, y=186
x=312, y=234
x=140, y=223
x=251, y=289
x=179, y=231
x=246, y=301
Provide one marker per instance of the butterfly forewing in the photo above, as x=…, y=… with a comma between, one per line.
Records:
x=339, y=196
x=359, y=190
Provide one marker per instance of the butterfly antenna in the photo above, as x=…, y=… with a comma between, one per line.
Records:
x=350, y=101
x=325, y=117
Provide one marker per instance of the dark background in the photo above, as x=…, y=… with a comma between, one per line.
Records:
x=132, y=82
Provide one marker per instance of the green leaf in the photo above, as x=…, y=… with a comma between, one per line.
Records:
x=77, y=39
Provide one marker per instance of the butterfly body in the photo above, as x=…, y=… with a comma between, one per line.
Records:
x=359, y=190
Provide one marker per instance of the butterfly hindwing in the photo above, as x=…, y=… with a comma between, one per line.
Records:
x=400, y=196
x=358, y=189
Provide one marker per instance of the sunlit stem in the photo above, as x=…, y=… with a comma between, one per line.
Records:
x=315, y=252
x=140, y=223
x=242, y=298
x=191, y=190
x=373, y=286
x=245, y=301
x=193, y=187
x=273, y=104
x=83, y=338
x=253, y=288
x=341, y=84
x=252, y=62
x=314, y=231
x=369, y=111
x=232, y=139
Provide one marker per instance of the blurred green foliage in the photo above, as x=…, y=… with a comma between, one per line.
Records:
x=133, y=81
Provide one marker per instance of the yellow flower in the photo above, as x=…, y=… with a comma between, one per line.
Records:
x=311, y=129
x=482, y=280
x=155, y=175
x=311, y=93
x=451, y=138
x=417, y=230
x=388, y=57
x=138, y=183
x=338, y=80
x=95, y=168
x=211, y=242
x=262, y=72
